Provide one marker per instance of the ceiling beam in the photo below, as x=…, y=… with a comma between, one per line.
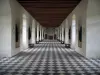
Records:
x=49, y=13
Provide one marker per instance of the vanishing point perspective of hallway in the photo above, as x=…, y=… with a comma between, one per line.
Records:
x=49, y=57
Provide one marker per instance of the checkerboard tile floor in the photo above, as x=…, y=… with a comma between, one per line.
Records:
x=49, y=58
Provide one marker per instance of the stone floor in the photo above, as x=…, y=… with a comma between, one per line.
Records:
x=49, y=58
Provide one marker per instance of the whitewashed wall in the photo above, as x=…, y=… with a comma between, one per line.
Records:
x=88, y=12
x=93, y=29
x=5, y=28
x=80, y=13
x=11, y=13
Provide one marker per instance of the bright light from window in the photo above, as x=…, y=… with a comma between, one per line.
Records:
x=73, y=32
x=24, y=31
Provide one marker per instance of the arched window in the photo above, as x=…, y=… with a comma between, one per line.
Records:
x=73, y=32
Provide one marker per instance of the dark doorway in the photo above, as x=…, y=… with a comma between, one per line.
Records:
x=55, y=36
x=50, y=37
x=45, y=36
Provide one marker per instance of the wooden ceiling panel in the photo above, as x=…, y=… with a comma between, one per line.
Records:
x=49, y=13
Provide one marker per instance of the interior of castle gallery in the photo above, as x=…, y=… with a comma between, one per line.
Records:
x=49, y=37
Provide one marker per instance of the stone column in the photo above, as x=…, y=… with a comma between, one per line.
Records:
x=33, y=39
x=62, y=33
x=40, y=33
x=37, y=39
x=59, y=33
x=67, y=45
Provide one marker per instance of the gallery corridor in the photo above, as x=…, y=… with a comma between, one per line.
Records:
x=49, y=57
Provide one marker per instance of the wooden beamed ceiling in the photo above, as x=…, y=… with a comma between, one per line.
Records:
x=49, y=13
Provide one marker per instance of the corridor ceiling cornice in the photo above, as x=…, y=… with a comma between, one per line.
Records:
x=49, y=13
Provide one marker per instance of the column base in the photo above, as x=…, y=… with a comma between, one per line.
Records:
x=31, y=45
x=37, y=42
x=62, y=42
x=67, y=45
